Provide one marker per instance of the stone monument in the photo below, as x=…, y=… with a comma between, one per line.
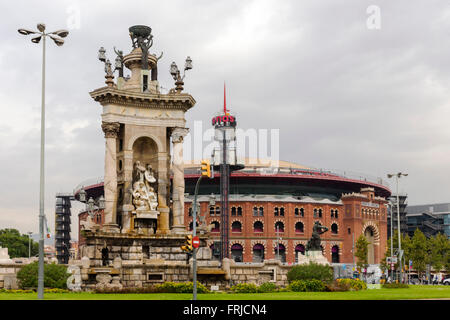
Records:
x=140, y=123
x=313, y=248
x=143, y=228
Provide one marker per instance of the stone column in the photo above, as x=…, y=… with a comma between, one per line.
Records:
x=127, y=207
x=178, y=180
x=111, y=130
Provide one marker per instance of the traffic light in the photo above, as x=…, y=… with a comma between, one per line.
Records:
x=187, y=244
x=206, y=168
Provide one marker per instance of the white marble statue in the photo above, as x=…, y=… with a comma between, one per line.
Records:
x=144, y=195
x=74, y=280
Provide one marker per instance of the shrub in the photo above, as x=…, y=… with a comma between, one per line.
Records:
x=55, y=276
x=351, y=284
x=311, y=271
x=312, y=285
x=166, y=287
x=244, y=288
x=267, y=287
x=395, y=285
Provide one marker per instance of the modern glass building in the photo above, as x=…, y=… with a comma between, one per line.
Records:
x=430, y=219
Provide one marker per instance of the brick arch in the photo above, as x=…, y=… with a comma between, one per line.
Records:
x=338, y=226
x=237, y=220
x=279, y=220
x=282, y=241
x=335, y=243
x=241, y=242
x=261, y=242
x=296, y=221
x=376, y=233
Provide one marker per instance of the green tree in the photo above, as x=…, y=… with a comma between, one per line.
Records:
x=17, y=244
x=419, y=252
x=361, y=252
x=439, y=248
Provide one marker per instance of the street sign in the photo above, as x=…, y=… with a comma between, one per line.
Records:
x=195, y=242
x=394, y=260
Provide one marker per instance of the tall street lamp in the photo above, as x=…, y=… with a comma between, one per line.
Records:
x=29, y=244
x=397, y=176
x=56, y=37
x=392, y=241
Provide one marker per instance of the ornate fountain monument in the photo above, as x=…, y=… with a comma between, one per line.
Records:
x=143, y=225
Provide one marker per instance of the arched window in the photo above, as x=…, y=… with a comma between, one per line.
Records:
x=211, y=211
x=239, y=212
x=258, y=226
x=275, y=211
x=320, y=213
x=233, y=211
x=302, y=212
x=336, y=213
x=282, y=211
x=332, y=213
x=255, y=211
x=261, y=211
x=236, y=226
x=190, y=212
x=280, y=252
x=315, y=213
x=299, y=249
x=258, y=253
x=216, y=226
x=299, y=227
x=217, y=211
x=236, y=252
x=279, y=226
x=296, y=211
x=335, y=254
x=334, y=228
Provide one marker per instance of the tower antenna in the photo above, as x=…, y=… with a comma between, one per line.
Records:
x=224, y=99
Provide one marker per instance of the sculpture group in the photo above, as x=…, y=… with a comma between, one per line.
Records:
x=144, y=196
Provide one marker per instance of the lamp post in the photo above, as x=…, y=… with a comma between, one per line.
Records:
x=56, y=37
x=397, y=176
x=392, y=240
x=175, y=72
x=29, y=244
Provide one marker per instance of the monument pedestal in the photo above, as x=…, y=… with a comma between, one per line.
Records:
x=111, y=228
x=316, y=257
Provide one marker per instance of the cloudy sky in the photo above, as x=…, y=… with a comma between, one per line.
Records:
x=357, y=85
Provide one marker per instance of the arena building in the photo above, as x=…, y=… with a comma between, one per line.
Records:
x=272, y=211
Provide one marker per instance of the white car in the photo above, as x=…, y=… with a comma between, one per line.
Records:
x=446, y=282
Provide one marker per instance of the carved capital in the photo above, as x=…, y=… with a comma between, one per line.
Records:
x=178, y=134
x=111, y=129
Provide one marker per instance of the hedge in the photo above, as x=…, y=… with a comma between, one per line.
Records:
x=311, y=271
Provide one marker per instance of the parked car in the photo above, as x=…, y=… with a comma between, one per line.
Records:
x=446, y=282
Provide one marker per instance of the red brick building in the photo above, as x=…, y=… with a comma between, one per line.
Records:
x=272, y=214
x=272, y=211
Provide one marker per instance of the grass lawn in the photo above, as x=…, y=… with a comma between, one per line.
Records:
x=413, y=292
